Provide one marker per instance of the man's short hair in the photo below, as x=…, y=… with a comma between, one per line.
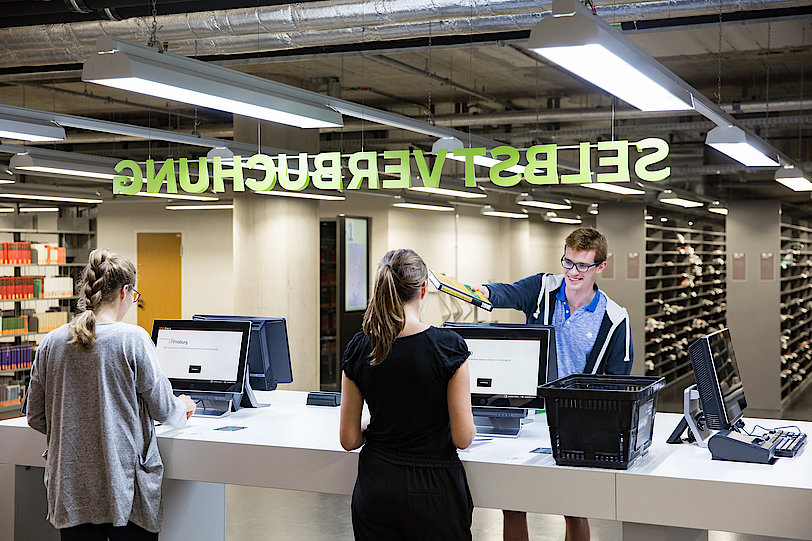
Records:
x=588, y=239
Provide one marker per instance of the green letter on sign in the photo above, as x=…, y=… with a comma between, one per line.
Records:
x=269, y=180
x=235, y=173
x=304, y=173
x=549, y=164
x=166, y=172
x=332, y=170
x=583, y=176
x=660, y=153
x=402, y=169
x=124, y=184
x=621, y=161
x=512, y=161
x=186, y=183
x=431, y=179
x=469, y=154
x=358, y=174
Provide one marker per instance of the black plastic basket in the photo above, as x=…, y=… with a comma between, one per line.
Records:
x=601, y=421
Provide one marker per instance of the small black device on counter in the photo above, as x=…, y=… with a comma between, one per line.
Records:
x=762, y=449
x=322, y=398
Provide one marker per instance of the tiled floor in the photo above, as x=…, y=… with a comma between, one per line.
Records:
x=277, y=515
x=280, y=515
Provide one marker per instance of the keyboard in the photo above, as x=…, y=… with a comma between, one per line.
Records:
x=788, y=444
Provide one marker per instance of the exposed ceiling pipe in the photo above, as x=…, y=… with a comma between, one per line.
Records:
x=329, y=22
x=544, y=116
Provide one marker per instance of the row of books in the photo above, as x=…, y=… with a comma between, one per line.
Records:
x=13, y=325
x=22, y=253
x=46, y=321
x=34, y=287
x=47, y=254
x=15, y=357
x=12, y=394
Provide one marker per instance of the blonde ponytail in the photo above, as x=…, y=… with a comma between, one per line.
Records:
x=398, y=279
x=102, y=278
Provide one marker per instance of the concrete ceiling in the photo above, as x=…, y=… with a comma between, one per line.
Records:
x=766, y=58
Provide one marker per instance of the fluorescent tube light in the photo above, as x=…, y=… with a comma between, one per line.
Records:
x=488, y=210
x=593, y=208
x=55, y=198
x=449, y=192
x=717, y=208
x=56, y=163
x=177, y=196
x=200, y=207
x=141, y=69
x=39, y=209
x=562, y=220
x=669, y=197
x=304, y=195
x=613, y=188
x=793, y=178
x=423, y=206
x=587, y=46
x=743, y=147
x=26, y=129
x=6, y=209
x=529, y=201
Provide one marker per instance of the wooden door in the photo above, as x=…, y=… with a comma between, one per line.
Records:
x=158, y=277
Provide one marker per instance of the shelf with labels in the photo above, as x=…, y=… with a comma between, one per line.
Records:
x=796, y=307
x=685, y=290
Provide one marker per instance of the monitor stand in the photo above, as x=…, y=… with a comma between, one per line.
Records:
x=498, y=422
x=249, y=399
x=693, y=420
x=211, y=404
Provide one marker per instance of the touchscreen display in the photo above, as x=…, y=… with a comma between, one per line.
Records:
x=504, y=367
x=206, y=355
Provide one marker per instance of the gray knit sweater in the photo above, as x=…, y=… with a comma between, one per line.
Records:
x=97, y=409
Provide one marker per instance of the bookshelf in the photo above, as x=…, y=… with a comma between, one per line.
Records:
x=795, y=307
x=74, y=233
x=685, y=293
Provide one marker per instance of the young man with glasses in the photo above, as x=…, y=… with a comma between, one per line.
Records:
x=591, y=330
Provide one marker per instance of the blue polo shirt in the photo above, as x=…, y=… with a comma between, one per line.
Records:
x=575, y=333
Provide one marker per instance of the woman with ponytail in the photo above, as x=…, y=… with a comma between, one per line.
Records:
x=96, y=390
x=414, y=379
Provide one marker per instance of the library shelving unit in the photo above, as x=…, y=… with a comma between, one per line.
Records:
x=685, y=268
x=795, y=307
x=75, y=232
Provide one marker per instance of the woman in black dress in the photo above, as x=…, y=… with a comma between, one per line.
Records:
x=414, y=378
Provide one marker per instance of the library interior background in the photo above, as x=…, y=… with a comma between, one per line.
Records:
x=701, y=238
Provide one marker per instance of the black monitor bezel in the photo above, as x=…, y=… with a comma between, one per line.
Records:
x=259, y=322
x=497, y=331
x=238, y=385
x=718, y=414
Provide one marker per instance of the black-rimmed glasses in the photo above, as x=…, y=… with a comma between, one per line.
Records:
x=580, y=267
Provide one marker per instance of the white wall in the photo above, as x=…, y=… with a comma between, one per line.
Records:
x=207, y=284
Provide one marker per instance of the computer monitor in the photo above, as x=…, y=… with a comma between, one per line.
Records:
x=202, y=356
x=717, y=380
x=508, y=363
x=268, y=351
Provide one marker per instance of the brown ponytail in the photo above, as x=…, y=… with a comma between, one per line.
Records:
x=398, y=279
x=103, y=277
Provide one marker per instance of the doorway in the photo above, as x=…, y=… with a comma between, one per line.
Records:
x=159, y=256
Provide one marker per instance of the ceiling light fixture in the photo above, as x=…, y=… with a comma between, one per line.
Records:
x=200, y=207
x=47, y=197
x=415, y=204
x=529, y=201
x=742, y=146
x=28, y=129
x=6, y=209
x=54, y=163
x=793, y=178
x=160, y=195
x=593, y=209
x=584, y=44
x=488, y=210
x=717, y=208
x=613, y=188
x=39, y=209
x=304, y=195
x=144, y=70
x=563, y=220
x=450, y=193
x=671, y=198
